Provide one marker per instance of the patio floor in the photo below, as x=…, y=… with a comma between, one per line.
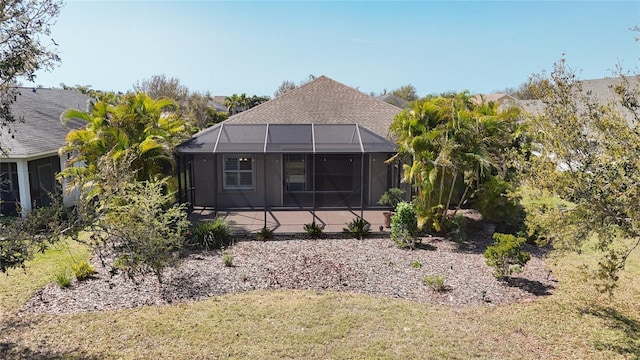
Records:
x=290, y=221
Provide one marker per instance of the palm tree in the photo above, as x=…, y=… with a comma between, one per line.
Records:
x=138, y=128
x=448, y=142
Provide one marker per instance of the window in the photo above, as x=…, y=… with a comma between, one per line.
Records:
x=9, y=192
x=238, y=172
x=296, y=172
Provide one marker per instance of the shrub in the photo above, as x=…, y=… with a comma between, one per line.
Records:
x=227, y=258
x=63, y=279
x=416, y=264
x=392, y=197
x=359, y=228
x=435, y=282
x=506, y=255
x=404, y=226
x=83, y=270
x=458, y=226
x=209, y=235
x=314, y=230
x=265, y=234
x=497, y=203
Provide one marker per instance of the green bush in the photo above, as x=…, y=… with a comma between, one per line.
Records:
x=63, y=279
x=313, y=230
x=458, y=228
x=496, y=202
x=392, y=197
x=265, y=234
x=359, y=228
x=209, y=235
x=404, y=226
x=416, y=264
x=435, y=282
x=83, y=270
x=506, y=255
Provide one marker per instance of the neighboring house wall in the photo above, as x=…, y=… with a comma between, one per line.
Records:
x=28, y=183
x=32, y=145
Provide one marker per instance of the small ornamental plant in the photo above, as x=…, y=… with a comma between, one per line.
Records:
x=264, y=234
x=506, y=255
x=404, y=226
x=435, y=282
x=209, y=235
x=83, y=270
x=359, y=228
x=314, y=230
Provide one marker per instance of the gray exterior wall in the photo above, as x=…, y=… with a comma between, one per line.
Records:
x=209, y=190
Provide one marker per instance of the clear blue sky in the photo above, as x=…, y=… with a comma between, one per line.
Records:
x=251, y=47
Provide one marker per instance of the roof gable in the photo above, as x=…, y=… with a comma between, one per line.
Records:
x=322, y=101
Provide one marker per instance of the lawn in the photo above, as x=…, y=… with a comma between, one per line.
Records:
x=575, y=322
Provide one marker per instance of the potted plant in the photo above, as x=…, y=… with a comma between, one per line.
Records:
x=391, y=198
x=494, y=204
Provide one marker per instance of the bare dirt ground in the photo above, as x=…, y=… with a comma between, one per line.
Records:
x=373, y=266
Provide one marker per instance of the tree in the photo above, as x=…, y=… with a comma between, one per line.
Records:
x=449, y=142
x=162, y=87
x=406, y=92
x=239, y=103
x=588, y=165
x=146, y=129
x=24, y=46
x=192, y=106
x=284, y=88
x=288, y=85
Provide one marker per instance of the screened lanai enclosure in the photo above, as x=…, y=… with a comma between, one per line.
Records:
x=285, y=166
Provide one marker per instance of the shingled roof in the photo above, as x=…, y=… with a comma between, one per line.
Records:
x=41, y=132
x=599, y=90
x=322, y=101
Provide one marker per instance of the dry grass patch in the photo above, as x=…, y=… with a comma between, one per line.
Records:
x=574, y=322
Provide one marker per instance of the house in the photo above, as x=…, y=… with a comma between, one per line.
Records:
x=320, y=146
x=500, y=99
x=30, y=161
x=393, y=100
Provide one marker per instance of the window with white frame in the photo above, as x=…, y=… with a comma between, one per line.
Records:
x=238, y=172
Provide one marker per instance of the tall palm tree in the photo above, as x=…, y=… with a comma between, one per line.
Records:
x=137, y=128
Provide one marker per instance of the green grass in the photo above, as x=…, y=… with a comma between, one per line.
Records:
x=575, y=322
x=17, y=285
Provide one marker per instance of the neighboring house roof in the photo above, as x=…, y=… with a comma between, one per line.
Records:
x=599, y=90
x=41, y=132
x=498, y=98
x=322, y=101
x=393, y=100
x=220, y=107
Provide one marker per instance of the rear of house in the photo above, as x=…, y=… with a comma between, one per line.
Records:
x=321, y=146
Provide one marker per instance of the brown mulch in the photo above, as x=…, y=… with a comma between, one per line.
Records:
x=371, y=266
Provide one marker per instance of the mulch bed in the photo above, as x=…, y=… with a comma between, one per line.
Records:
x=372, y=266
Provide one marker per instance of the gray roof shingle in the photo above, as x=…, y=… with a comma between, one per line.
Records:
x=322, y=101
x=599, y=90
x=41, y=131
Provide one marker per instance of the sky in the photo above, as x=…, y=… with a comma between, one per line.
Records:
x=227, y=47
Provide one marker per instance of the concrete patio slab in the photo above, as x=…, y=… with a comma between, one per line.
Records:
x=290, y=221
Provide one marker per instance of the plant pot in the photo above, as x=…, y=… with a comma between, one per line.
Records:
x=387, y=218
x=489, y=228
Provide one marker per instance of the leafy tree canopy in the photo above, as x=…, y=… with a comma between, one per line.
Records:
x=25, y=46
x=447, y=141
x=588, y=160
